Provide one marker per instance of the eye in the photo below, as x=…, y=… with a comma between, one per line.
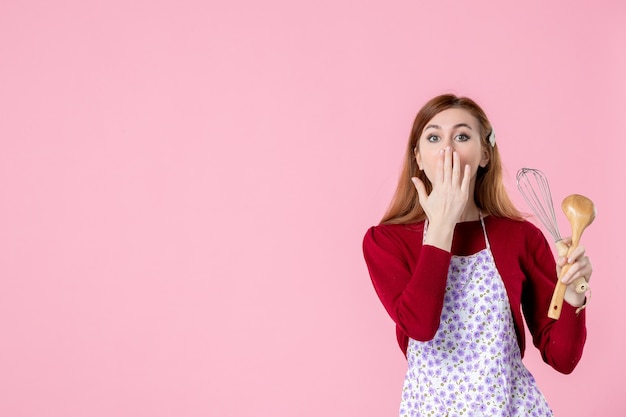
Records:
x=462, y=137
x=432, y=138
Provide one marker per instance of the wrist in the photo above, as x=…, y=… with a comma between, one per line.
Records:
x=440, y=235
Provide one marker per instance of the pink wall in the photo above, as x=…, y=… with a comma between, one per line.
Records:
x=184, y=186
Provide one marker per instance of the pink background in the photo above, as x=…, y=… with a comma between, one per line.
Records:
x=185, y=186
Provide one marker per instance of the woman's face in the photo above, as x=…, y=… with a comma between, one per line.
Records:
x=455, y=128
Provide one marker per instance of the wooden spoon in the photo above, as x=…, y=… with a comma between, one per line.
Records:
x=580, y=212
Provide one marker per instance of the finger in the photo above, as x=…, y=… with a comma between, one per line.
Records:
x=440, y=166
x=585, y=268
x=466, y=179
x=576, y=271
x=421, y=190
x=576, y=254
x=456, y=169
x=570, y=272
x=447, y=166
x=574, y=279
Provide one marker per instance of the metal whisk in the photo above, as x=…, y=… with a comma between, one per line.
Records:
x=535, y=189
x=533, y=185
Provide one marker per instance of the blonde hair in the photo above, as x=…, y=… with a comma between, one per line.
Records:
x=489, y=194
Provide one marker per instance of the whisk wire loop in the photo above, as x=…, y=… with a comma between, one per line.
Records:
x=534, y=187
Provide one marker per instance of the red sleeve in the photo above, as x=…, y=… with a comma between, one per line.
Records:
x=410, y=279
x=561, y=341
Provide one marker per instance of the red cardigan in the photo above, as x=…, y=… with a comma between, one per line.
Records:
x=410, y=280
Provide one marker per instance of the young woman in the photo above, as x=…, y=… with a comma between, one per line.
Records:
x=455, y=266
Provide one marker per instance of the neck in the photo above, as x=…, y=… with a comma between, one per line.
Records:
x=471, y=212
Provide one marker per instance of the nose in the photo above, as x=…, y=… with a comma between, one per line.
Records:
x=447, y=141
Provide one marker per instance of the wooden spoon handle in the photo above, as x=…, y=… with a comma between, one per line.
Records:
x=580, y=284
x=556, y=304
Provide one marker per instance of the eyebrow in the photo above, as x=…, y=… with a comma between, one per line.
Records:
x=455, y=126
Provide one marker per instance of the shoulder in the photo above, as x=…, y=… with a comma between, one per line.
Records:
x=394, y=235
x=396, y=231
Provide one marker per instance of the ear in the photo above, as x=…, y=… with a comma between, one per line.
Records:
x=418, y=159
x=485, y=159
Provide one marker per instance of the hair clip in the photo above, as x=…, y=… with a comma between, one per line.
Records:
x=492, y=138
